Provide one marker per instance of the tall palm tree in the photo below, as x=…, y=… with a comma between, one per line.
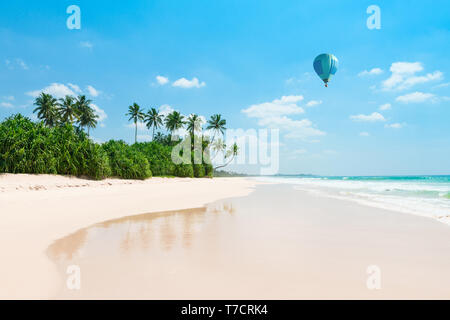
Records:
x=136, y=114
x=174, y=121
x=46, y=109
x=85, y=112
x=194, y=123
x=153, y=119
x=217, y=125
x=91, y=121
x=231, y=154
x=68, y=110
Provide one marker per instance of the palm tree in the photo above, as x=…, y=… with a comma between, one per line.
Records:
x=160, y=137
x=136, y=114
x=86, y=114
x=68, y=110
x=194, y=123
x=153, y=119
x=232, y=152
x=174, y=121
x=91, y=121
x=46, y=109
x=217, y=124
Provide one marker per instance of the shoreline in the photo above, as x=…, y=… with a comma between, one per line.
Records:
x=323, y=244
x=39, y=209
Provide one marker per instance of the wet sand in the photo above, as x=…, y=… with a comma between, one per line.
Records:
x=276, y=243
x=36, y=210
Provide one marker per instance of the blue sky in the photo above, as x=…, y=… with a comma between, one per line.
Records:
x=247, y=55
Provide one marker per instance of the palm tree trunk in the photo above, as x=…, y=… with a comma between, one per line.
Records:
x=218, y=167
x=153, y=134
x=135, y=132
x=88, y=130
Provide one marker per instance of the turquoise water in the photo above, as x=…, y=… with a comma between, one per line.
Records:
x=421, y=195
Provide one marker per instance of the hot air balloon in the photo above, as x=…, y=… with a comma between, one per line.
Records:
x=325, y=65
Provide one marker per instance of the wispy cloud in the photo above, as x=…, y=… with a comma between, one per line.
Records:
x=99, y=112
x=416, y=97
x=373, y=117
x=92, y=91
x=162, y=80
x=371, y=72
x=86, y=44
x=313, y=103
x=364, y=134
x=403, y=76
x=187, y=84
x=386, y=106
x=6, y=105
x=394, y=125
x=16, y=63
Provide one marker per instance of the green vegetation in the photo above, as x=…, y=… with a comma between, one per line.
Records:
x=58, y=144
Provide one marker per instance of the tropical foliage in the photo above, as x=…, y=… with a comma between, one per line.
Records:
x=58, y=144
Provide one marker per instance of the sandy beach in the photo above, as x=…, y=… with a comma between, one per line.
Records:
x=36, y=210
x=222, y=238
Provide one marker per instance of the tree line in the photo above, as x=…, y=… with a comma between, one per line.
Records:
x=60, y=143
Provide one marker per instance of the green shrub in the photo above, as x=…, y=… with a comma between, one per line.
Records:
x=199, y=170
x=28, y=147
x=158, y=156
x=184, y=170
x=125, y=161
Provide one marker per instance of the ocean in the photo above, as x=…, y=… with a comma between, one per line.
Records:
x=427, y=196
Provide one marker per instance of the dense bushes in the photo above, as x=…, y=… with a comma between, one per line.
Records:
x=126, y=162
x=29, y=147
x=158, y=156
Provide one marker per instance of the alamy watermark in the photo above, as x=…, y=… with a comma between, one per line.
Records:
x=374, y=20
x=74, y=20
x=238, y=147
x=74, y=277
x=374, y=280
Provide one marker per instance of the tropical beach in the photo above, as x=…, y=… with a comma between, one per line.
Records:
x=220, y=151
x=225, y=238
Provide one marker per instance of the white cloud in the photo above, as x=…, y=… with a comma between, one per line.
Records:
x=162, y=80
x=364, y=134
x=187, y=84
x=10, y=98
x=16, y=63
x=330, y=151
x=285, y=106
x=74, y=87
x=403, y=76
x=92, y=91
x=314, y=103
x=394, y=125
x=99, y=112
x=442, y=85
x=374, y=116
x=372, y=72
x=22, y=64
x=58, y=90
x=165, y=109
x=386, y=106
x=416, y=97
x=86, y=44
x=274, y=115
x=6, y=105
x=144, y=137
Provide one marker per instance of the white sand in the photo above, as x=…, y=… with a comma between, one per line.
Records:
x=35, y=210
